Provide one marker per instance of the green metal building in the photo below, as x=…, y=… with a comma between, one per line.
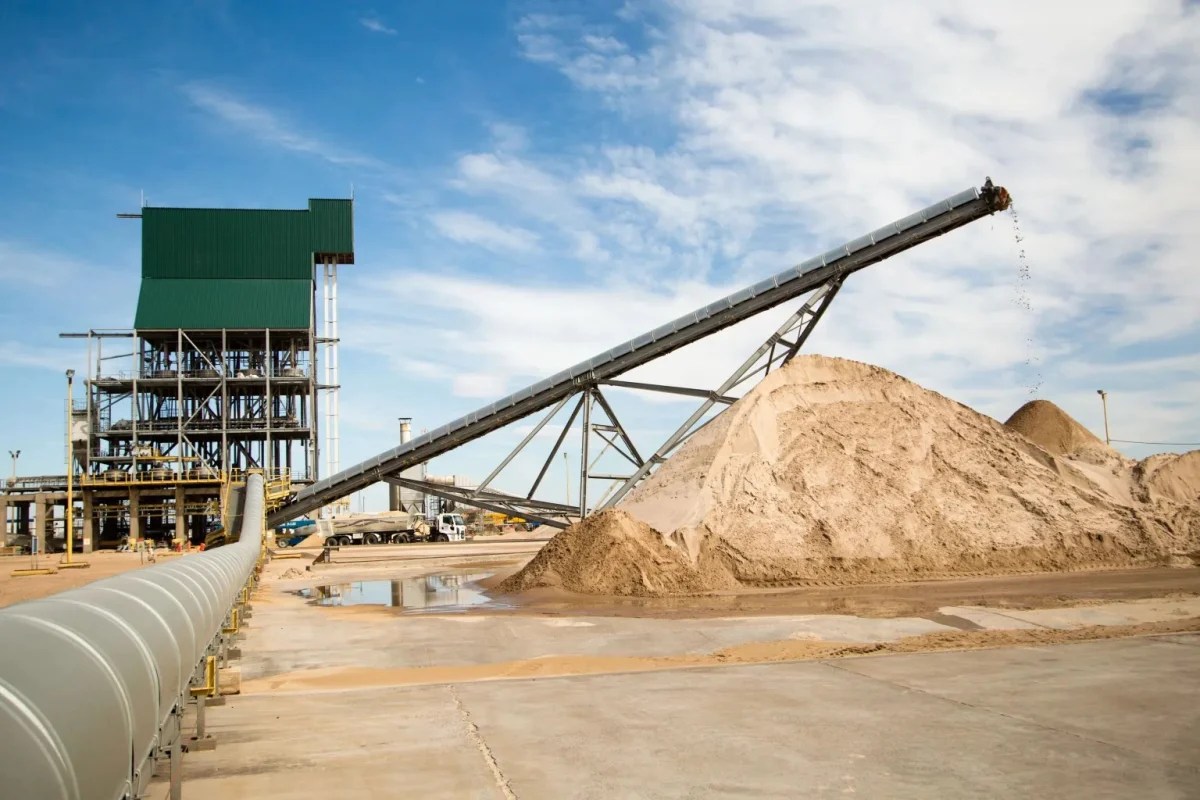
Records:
x=208, y=269
x=222, y=375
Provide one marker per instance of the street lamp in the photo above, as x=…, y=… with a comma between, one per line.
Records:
x=69, y=561
x=14, y=455
x=567, y=470
x=1104, y=402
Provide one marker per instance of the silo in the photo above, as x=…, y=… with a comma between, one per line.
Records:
x=409, y=500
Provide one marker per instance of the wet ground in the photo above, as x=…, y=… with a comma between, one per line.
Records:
x=1045, y=590
x=442, y=592
x=471, y=573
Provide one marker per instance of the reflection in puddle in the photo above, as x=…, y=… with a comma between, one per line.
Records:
x=432, y=593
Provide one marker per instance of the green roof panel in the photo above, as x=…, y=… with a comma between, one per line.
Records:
x=245, y=243
x=233, y=304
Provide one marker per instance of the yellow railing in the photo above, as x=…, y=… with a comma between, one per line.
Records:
x=152, y=476
x=277, y=483
x=276, y=480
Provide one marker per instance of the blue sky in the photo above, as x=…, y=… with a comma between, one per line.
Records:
x=536, y=181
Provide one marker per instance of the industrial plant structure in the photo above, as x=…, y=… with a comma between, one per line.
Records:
x=218, y=376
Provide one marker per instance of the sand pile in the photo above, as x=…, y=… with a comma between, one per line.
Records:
x=833, y=471
x=1052, y=429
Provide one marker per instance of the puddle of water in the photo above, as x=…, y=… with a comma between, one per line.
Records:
x=449, y=592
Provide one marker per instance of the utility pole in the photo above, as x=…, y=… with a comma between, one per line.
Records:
x=1104, y=402
x=69, y=562
x=567, y=470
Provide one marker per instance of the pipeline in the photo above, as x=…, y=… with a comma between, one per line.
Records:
x=93, y=681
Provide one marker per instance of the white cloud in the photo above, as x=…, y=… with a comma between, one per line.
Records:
x=472, y=229
x=781, y=128
x=508, y=137
x=268, y=126
x=478, y=384
x=55, y=358
x=25, y=265
x=375, y=24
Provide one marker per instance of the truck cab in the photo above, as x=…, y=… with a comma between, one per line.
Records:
x=448, y=528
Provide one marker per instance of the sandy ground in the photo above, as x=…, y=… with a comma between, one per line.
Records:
x=103, y=564
x=338, y=679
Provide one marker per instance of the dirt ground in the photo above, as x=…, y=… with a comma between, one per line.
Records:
x=14, y=589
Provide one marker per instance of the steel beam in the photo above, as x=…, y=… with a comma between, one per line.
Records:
x=660, y=387
x=557, y=444
x=620, y=429
x=529, y=438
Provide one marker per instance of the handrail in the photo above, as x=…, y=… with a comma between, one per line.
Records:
x=93, y=680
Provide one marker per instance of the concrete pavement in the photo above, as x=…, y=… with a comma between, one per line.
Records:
x=438, y=715
x=1091, y=720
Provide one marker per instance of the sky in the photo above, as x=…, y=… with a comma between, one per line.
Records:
x=535, y=182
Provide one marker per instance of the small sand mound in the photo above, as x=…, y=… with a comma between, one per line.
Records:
x=611, y=553
x=1056, y=432
x=833, y=471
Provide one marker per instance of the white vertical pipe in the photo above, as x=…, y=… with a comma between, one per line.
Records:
x=325, y=336
x=335, y=433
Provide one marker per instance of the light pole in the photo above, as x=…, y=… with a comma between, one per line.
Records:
x=69, y=561
x=567, y=469
x=14, y=455
x=1104, y=402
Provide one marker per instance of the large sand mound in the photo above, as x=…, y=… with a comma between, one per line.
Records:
x=837, y=471
x=1052, y=429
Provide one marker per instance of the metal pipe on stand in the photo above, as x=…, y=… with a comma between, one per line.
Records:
x=94, y=681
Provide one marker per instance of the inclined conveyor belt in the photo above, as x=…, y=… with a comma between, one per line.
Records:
x=939, y=218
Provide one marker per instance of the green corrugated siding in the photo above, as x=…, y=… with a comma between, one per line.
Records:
x=244, y=243
x=168, y=303
x=332, y=227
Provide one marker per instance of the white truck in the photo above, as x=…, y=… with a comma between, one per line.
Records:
x=448, y=528
x=442, y=528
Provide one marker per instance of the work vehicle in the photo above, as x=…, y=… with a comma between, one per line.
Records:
x=442, y=528
x=291, y=533
x=500, y=520
x=448, y=528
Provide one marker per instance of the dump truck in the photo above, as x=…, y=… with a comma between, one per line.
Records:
x=441, y=528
